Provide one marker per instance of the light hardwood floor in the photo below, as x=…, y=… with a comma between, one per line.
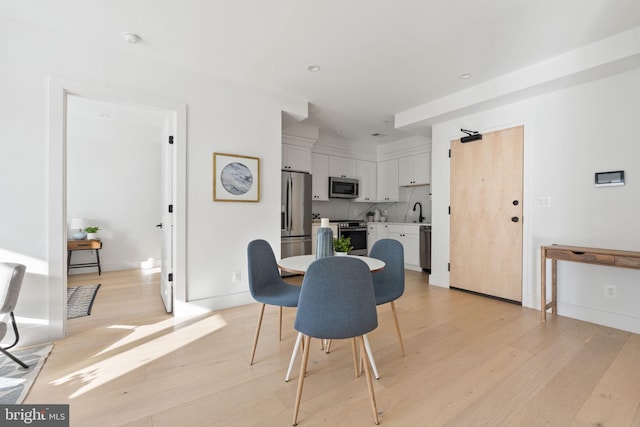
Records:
x=470, y=361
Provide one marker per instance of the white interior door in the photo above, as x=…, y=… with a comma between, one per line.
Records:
x=166, y=208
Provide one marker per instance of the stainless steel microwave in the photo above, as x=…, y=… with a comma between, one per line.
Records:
x=343, y=188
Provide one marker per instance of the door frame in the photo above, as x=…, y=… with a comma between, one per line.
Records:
x=59, y=89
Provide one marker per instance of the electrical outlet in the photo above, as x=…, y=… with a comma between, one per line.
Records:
x=544, y=202
x=610, y=291
x=236, y=277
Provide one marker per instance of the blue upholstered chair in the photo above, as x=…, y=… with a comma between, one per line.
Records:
x=336, y=302
x=11, y=276
x=388, y=284
x=266, y=284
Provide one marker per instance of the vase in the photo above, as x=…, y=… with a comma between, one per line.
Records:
x=324, y=246
x=342, y=253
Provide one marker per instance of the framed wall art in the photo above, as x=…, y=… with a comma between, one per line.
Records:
x=236, y=178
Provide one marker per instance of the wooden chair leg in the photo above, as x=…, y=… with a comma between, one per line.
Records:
x=395, y=319
x=255, y=340
x=303, y=370
x=280, y=326
x=328, y=350
x=372, y=396
x=355, y=356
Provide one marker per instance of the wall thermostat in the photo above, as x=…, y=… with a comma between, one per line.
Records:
x=609, y=179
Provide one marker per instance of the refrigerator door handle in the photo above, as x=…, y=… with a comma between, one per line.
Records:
x=287, y=207
x=290, y=197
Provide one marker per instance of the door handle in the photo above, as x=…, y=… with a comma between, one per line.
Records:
x=159, y=225
x=515, y=219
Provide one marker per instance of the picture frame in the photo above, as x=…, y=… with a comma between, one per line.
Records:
x=236, y=178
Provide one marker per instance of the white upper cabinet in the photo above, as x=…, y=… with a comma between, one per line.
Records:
x=342, y=167
x=296, y=158
x=366, y=172
x=388, y=181
x=320, y=177
x=415, y=170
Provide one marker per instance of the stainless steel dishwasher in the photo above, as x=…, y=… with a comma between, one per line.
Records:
x=425, y=248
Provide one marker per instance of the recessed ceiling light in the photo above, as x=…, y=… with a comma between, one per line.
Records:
x=131, y=38
x=313, y=68
x=464, y=76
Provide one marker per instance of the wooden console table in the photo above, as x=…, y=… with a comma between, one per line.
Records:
x=84, y=245
x=608, y=257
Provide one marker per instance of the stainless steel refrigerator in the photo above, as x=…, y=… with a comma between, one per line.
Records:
x=295, y=215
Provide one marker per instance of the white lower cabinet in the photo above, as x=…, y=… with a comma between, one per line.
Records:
x=409, y=236
x=372, y=235
x=375, y=232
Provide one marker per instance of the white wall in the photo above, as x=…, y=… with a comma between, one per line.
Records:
x=222, y=117
x=569, y=135
x=113, y=180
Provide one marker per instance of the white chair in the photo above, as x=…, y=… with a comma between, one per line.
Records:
x=11, y=276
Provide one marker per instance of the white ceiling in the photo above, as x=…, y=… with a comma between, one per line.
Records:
x=377, y=57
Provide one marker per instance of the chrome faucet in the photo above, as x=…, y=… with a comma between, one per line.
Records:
x=420, y=217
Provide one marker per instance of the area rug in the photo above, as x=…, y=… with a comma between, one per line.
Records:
x=16, y=381
x=80, y=300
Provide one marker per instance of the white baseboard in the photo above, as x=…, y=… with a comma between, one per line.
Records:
x=599, y=317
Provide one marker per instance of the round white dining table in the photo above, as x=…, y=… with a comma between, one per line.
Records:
x=300, y=263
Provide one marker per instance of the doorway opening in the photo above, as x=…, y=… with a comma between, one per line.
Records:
x=115, y=178
x=64, y=97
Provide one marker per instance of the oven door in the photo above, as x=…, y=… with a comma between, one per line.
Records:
x=358, y=237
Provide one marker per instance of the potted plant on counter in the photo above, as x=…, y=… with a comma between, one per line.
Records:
x=342, y=245
x=370, y=216
x=92, y=232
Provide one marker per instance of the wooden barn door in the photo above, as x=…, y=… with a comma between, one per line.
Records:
x=486, y=214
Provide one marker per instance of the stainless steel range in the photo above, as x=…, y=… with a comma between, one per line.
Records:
x=357, y=231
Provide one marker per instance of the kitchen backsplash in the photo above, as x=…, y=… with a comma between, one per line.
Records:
x=396, y=211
